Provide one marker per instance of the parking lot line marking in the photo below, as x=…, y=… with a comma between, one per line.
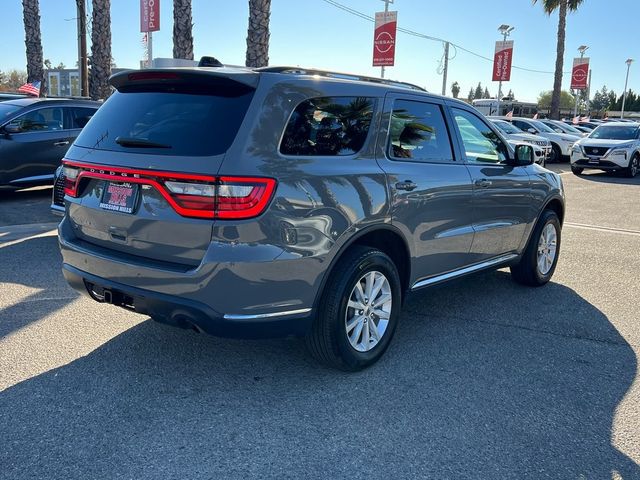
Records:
x=599, y=228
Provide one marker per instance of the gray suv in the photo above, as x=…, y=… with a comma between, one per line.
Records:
x=279, y=201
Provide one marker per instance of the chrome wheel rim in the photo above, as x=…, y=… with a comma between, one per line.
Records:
x=547, y=247
x=368, y=311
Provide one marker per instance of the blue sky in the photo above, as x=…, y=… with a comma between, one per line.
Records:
x=314, y=33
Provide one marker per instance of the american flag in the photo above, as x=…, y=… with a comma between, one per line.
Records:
x=31, y=88
x=510, y=114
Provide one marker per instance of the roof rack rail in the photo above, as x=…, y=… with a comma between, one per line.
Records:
x=339, y=75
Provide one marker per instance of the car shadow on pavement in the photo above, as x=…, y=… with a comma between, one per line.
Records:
x=33, y=263
x=26, y=206
x=610, y=177
x=485, y=379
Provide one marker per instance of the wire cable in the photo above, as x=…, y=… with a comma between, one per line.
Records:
x=429, y=37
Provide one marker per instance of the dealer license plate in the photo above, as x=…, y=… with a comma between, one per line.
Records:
x=119, y=197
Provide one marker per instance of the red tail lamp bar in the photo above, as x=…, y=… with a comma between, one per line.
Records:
x=190, y=195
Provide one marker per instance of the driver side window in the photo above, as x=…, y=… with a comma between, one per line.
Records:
x=43, y=119
x=481, y=144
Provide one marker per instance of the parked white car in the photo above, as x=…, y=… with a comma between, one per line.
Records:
x=561, y=127
x=561, y=143
x=611, y=146
x=541, y=146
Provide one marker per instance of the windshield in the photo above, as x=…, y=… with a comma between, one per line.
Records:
x=568, y=128
x=541, y=126
x=7, y=109
x=615, y=132
x=507, y=127
x=554, y=127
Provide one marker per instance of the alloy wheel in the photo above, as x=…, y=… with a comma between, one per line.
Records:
x=368, y=311
x=547, y=248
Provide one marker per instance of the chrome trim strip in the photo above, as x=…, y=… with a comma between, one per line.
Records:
x=259, y=316
x=36, y=178
x=463, y=271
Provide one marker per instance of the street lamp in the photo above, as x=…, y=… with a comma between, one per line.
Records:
x=626, y=81
x=505, y=30
x=581, y=49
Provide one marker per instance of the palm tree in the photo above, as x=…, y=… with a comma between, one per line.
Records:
x=33, y=42
x=182, y=30
x=258, y=33
x=562, y=6
x=100, y=50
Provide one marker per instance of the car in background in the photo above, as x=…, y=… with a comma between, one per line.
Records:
x=11, y=96
x=614, y=146
x=561, y=127
x=35, y=133
x=515, y=136
x=561, y=143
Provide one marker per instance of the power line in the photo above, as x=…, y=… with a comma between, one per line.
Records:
x=407, y=31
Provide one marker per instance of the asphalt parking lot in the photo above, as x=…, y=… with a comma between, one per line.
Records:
x=485, y=378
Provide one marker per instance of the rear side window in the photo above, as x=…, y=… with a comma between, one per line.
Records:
x=418, y=132
x=174, y=122
x=328, y=126
x=81, y=116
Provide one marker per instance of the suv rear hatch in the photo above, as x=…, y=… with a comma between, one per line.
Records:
x=141, y=177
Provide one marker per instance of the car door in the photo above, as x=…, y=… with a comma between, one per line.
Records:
x=431, y=192
x=502, y=203
x=35, y=146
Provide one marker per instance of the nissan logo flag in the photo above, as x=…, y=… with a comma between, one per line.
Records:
x=149, y=15
x=580, y=73
x=384, y=39
x=502, y=61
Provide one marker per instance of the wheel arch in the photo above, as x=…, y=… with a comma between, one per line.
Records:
x=385, y=238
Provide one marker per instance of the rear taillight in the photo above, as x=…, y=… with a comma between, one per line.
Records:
x=70, y=180
x=239, y=197
x=196, y=196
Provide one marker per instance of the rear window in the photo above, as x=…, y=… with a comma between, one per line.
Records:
x=328, y=126
x=175, y=122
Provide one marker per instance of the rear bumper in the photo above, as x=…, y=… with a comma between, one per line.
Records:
x=187, y=313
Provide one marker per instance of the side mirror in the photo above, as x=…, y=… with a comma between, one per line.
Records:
x=12, y=128
x=524, y=155
x=532, y=130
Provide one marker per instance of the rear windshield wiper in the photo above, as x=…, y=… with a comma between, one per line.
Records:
x=139, y=143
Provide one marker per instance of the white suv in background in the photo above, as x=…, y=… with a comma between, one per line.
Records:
x=541, y=146
x=561, y=143
x=612, y=146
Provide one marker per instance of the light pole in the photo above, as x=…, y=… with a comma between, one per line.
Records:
x=626, y=81
x=386, y=10
x=505, y=31
x=581, y=49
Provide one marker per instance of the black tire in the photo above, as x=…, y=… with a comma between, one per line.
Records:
x=576, y=170
x=526, y=271
x=556, y=154
x=633, y=168
x=328, y=341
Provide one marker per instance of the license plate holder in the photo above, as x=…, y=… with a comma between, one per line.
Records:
x=119, y=197
x=594, y=160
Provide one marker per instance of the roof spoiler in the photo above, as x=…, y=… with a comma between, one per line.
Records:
x=183, y=76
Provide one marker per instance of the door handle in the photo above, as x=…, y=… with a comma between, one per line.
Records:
x=61, y=144
x=483, y=182
x=407, y=185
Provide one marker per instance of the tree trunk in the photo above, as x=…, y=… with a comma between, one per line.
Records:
x=258, y=33
x=182, y=30
x=33, y=42
x=557, y=81
x=99, y=87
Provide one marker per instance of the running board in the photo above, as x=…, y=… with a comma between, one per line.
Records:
x=463, y=271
